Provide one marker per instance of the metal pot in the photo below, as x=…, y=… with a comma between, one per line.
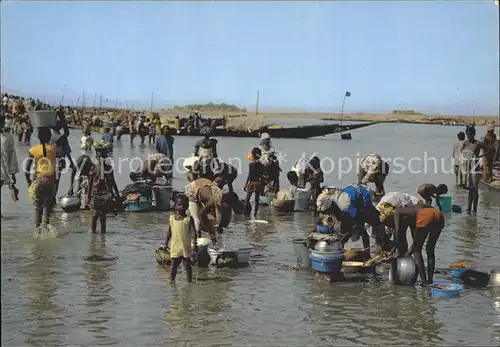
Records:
x=70, y=203
x=494, y=278
x=403, y=271
x=323, y=246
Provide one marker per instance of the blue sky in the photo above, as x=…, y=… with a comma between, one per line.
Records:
x=435, y=57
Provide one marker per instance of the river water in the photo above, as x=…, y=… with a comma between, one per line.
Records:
x=53, y=296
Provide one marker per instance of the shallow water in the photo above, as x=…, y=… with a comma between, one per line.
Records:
x=80, y=289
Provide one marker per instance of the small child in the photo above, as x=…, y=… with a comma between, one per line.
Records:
x=428, y=191
x=152, y=133
x=181, y=231
x=101, y=187
x=86, y=141
x=254, y=184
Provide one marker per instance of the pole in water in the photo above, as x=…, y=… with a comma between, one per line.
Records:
x=257, y=104
x=151, y=104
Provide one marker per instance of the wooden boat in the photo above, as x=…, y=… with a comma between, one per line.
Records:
x=301, y=132
x=490, y=187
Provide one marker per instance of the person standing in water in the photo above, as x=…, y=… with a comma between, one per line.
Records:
x=373, y=169
x=424, y=221
x=489, y=142
x=8, y=160
x=254, y=183
x=314, y=176
x=470, y=167
x=181, y=235
x=41, y=190
x=271, y=168
x=206, y=150
x=165, y=144
x=102, y=188
x=428, y=191
x=457, y=149
x=107, y=135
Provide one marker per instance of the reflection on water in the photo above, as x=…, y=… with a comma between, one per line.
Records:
x=70, y=291
x=42, y=280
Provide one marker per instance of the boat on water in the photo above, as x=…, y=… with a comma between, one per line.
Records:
x=300, y=132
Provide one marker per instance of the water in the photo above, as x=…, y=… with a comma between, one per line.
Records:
x=80, y=289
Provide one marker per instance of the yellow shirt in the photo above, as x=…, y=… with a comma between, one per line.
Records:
x=182, y=234
x=44, y=166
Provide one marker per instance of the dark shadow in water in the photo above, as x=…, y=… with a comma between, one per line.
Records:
x=467, y=238
x=43, y=281
x=97, y=270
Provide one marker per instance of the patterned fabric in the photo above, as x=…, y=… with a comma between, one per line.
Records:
x=206, y=130
x=385, y=210
x=42, y=190
x=101, y=193
x=372, y=163
x=192, y=191
x=396, y=199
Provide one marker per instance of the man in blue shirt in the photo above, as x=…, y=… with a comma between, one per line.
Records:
x=165, y=144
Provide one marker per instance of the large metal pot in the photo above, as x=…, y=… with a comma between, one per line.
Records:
x=70, y=203
x=403, y=271
x=494, y=278
x=323, y=246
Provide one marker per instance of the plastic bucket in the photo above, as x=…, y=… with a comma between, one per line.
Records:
x=43, y=119
x=301, y=252
x=454, y=289
x=326, y=263
x=457, y=272
x=163, y=197
x=302, y=200
x=446, y=203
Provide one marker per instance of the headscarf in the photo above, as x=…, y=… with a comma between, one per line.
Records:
x=490, y=127
x=343, y=201
x=206, y=131
x=265, y=136
x=385, y=210
x=324, y=202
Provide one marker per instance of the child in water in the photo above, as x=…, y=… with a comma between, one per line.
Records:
x=181, y=231
x=101, y=187
x=254, y=184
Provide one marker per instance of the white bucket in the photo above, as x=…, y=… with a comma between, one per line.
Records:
x=302, y=197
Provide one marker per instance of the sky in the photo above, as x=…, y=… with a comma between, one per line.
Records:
x=434, y=57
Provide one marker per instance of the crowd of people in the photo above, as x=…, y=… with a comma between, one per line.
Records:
x=341, y=213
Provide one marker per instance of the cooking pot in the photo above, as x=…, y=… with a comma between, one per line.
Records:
x=403, y=271
x=70, y=203
x=323, y=246
x=494, y=278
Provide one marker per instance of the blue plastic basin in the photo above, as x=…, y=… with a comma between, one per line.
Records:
x=454, y=290
x=326, y=262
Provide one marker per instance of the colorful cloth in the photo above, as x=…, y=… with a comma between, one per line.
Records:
x=182, y=235
x=44, y=165
x=372, y=163
x=429, y=216
x=353, y=198
x=42, y=190
x=192, y=191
